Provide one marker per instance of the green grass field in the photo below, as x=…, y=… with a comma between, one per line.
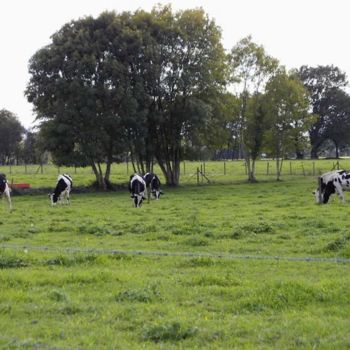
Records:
x=63, y=288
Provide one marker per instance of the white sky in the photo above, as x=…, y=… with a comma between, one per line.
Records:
x=296, y=32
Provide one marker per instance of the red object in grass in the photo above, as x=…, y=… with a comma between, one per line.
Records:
x=22, y=186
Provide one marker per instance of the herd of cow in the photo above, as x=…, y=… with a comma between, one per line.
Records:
x=142, y=187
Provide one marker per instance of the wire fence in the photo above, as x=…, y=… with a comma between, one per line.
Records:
x=224, y=256
x=191, y=172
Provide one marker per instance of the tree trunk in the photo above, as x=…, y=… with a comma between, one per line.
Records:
x=100, y=180
x=314, y=152
x=336, y=149
x=279, y=163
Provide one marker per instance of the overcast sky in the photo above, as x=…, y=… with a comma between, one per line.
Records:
x=296, y=32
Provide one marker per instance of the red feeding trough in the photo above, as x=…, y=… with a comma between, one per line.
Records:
x=21, y=186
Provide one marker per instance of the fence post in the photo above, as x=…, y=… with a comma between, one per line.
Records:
x=25, y=168
x=202, y=171
x=224, y=168
x=245, y=167
x=313, y=168
x=184, y=168
x=204, y=168
x=290, y=168
x=10, y=169
x=197, y=176
x=268, y=168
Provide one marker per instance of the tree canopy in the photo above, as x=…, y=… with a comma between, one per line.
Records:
x=11, y=131
x=127, y=83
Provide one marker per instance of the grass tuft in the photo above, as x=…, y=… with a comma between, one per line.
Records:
x=172, y=331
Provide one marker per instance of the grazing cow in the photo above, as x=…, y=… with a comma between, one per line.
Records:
x=138, y=190
x=332, y=182
x=5, y=189
x=62, y=190
x=153, y=185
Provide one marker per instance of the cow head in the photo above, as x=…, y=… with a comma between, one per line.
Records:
x=318, y=197
x=156, y=193
x=53, y=198
x=326, y=191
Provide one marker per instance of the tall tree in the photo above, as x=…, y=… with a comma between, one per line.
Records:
x=30, y=153
x=286, y=103
x=337, y=119
x=183, y=62
x=11, y=131
x=251, y=70
x=82, y=90
x=320, y=82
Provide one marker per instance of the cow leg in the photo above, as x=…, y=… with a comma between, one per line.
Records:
x=67, y=196
x=148, y=193
x=8, y=197
x=340, y=192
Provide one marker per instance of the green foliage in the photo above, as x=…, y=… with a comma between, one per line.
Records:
x=251, y=68
x=322, y=82
x=11, y=131
x=96, y=88
x=286, y=104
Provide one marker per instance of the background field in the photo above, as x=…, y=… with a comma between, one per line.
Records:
x=63, y=288
x=216, y=171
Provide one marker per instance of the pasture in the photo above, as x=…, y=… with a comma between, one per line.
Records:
x=179, y=273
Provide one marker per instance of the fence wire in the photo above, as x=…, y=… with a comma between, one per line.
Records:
x=74, y=250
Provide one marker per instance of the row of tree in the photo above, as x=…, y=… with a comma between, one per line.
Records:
x=155, y=85
x=17, y=145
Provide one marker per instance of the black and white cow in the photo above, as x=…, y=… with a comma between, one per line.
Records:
x=138, y=190
x=5, y=189
x=153, y=185
x=332, y=182
x=62, y=190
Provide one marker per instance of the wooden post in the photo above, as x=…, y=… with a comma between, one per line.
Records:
x=224, y=168
x=202, y=171
x=197, y=176
x=204, y=168
x=290, y=168
x=41, y=168
x=127, y=166
x=313, y=168
x=268, y=168
x=245, y=167
x=184, y=168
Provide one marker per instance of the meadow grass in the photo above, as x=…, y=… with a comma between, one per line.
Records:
x=56, y=299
